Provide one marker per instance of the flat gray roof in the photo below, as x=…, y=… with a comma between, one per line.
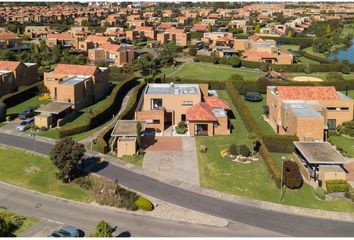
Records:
x=72, y=80
x=172, y=88
x=319, y=153
x=126, y=128
x=54, y=107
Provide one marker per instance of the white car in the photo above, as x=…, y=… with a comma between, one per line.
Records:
x=24, y=125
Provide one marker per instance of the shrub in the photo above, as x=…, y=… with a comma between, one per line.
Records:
x=196, y=59
x=307, y=69
x=103, y=229
x=235, y=61
x=334, y=76
x=236, y=77
x=347, y=128
x=181, y=128
x=337, y=186
x=244, y=151
x=233, y=149
x=345, y=67
x=320, y=193
x=158, y=130
x=292, y=175
x=193, y=51
x=280, y=143
x=144, y=204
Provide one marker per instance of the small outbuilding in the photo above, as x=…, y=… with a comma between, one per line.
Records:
x=51, y=113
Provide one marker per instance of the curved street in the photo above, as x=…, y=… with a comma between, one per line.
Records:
x=282, y=223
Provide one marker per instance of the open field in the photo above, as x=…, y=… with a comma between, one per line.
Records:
x=209, y=71
x=17, y=168
x=251, y=180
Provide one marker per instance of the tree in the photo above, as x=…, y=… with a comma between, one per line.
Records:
x=236, y=77
x=214, y=58
x=235, y=61
x=168, y=53
x=253, y=138
x=4, y=226
x=257, y=28
x=328, y=28
x=345, y=67
x=138, y=133
x=290, y=34
x=103, y=229
x=66, y=155
x=292, y=175
x=210, y=27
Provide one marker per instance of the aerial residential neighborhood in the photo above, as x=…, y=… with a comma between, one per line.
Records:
x=161, y=119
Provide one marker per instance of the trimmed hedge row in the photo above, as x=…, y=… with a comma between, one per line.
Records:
x=313, y=57
x=102, y=142
x=23, y=94
x=271, y=166
x=337, y=186
x=115, y=99
x=280, y=143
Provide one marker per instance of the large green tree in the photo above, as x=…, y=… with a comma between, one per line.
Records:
x=103, y=229
x=66, y=155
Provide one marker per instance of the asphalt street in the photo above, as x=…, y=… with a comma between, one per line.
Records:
x=86, y=217
x=286, y=224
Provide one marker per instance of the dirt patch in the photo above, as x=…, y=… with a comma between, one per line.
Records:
x=307, y=79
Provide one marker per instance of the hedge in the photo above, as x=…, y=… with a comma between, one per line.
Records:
x=337, y=186
x=98, y=118
x=23, y=94
x=102, y=142
x=271, y=166
x=280, y=143
x=312, y=57
x=144, y=204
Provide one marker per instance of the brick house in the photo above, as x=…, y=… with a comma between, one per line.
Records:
x=119, y=55
x=307, y=112
x=16, y=74
x=165, y=105
x=9, y=40
x=40, y=32
x=63, y=39
x=80, y=85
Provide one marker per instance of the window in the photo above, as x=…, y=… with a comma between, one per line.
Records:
x=331, y=108
x=344, y=109
x=331, y=123
x=111, y=56
x=156, y=121
x=187, y=103
x=156, y=104
x=183, y=117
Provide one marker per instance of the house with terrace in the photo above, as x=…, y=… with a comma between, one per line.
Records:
x=307, y=112
x=118, y=55
x=38, y=32
x=164, y=105
x=16, y=74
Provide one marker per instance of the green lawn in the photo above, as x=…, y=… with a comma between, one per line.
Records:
x=32, y=102
x=209, y=71
x=348, y=29
x=292, y=47
x=250, y=180
x=321, y=75
x=15, y=165
x=26, y=224
x=312, y=52
x=346, y=143
x=304, y=60
x=257, y=111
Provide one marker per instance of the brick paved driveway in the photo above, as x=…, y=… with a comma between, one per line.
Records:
x=163, y=144
x=173, y=157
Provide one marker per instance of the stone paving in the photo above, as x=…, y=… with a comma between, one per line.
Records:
x=175, y=158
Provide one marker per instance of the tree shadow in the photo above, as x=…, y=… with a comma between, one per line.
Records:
x=99, y=166
x=124, y=234
x=81, y=233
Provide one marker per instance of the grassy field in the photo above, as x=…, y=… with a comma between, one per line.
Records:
x=26, y=224
x=15, y=168
x=250, y=180
x=257, y=111
x=346, y=143
x=292, y=47
x=321, y=75
x=209, y=71
x=348, y=29
x=312, y=52
x=32, y=102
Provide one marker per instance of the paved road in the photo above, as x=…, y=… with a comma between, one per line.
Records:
x=277, y=222
x=85, y=217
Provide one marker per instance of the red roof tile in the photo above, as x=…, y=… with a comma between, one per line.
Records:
x=111, y=47
x=61, y=36
x=215, y=102
x=9, y=65
x=200, y=112
x=72, y=69
x=307, y=93
x=7, y=35
x=97, y=39
x=258, y=53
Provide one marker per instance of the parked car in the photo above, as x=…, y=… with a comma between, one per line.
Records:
x=27, y=113
x=24, y=125
x=68, y=231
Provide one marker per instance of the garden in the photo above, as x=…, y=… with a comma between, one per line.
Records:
x=13, y=225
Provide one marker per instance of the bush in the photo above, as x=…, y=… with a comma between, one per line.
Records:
x=337, y=186
x=144, y=204
x=244, y=151
x=292, y=175
x=347, y=128
x=235, y=61
x=236, y=77
x=280, y=143
x=196, y=59
x=193, y=51
x=320, y=193
x=103, y=229
x=181, y=128
x=336, y=76
x=233, y=149
x=307, y=69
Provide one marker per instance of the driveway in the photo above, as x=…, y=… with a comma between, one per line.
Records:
x=173, y=157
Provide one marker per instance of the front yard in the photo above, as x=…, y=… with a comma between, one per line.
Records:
x=32, y=102
x=18, y=167
x=251, y=180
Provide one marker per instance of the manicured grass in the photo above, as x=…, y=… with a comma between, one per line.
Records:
x=312, y=52
x=32, y=102
x=348, y=29
x=250, y=180
x=304, y=60
x=14, y=169
x=209, y=71
x=27, y=222
x=257, y=111
x=292, y=47
x=135, y=160
x=345, y=143
x=321, y=75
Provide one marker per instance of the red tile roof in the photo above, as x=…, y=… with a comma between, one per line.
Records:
x=72, y=69
x=200, y=27
x=97, y=39
x=61, y=36
x=215, y=102
x=145, y=29
x=9, y=65
x=200, y=112
x=175, y=30
x=111, y=47
x=260, y=54
x=7, y=35
x=307, y=93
